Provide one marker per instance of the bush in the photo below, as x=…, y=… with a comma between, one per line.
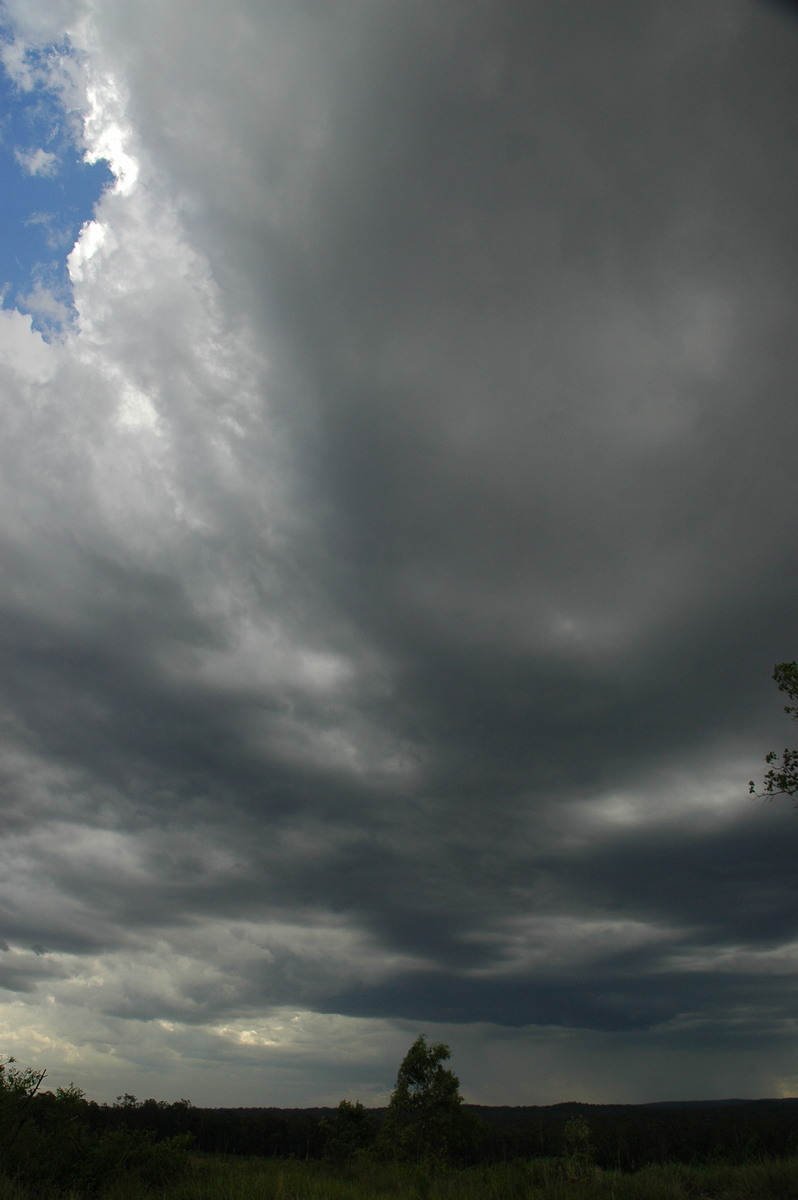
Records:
x=47, y=1140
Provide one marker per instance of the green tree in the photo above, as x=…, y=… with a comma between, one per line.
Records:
x=578, y=1146
x=782, y=779
x=425, y=1119
x=50, y=1140
x=350, y=1133
x=18, y=1087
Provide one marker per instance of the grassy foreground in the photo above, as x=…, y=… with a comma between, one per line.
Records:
x=216, y=1178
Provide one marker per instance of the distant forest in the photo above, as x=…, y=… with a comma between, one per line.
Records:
x=624, y=1137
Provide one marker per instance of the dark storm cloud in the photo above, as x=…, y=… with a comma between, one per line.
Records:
x=610, y=1002
x=548, y=302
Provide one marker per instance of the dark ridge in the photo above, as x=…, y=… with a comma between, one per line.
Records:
x=514, y=1111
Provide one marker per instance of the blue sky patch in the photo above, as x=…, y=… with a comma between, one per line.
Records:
x=47, y=193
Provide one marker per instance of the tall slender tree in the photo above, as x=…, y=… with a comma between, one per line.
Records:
x=425, y=1119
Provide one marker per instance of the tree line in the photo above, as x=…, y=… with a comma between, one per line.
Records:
x=60, y=1139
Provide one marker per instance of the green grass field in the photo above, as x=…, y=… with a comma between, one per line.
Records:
x=218, y=1178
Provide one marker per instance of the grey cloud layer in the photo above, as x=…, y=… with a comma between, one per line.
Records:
x=464, y=507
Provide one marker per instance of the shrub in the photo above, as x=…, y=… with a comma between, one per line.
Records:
x=47, y=1140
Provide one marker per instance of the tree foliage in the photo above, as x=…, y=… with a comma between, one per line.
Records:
x=350, y=1134
x=61, y=1140
x=578, y=1146
x=425, y=1119
x=782, y=778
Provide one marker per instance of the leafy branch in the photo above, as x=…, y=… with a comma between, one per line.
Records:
x=782, y=779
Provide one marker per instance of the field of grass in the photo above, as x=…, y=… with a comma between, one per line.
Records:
x=217, y=1178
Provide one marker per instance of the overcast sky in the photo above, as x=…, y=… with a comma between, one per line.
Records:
x=397, y=536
